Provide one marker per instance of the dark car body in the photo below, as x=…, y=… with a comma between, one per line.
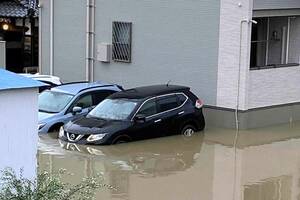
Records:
x=159, y=110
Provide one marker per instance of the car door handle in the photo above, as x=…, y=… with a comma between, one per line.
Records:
x=158, y=120
x=182, y=112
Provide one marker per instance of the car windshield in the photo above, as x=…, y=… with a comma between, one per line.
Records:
x=53, y=102
x=114, y=109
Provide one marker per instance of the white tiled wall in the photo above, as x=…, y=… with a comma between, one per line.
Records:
x=232, y=13
x=274, y=87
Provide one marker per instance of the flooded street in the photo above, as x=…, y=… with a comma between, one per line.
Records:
x=218, y=164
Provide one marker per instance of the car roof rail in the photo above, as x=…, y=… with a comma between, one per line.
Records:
x=74, y=82
x=99, y=86
x=120, y=87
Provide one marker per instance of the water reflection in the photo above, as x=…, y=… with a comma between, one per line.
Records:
x=264, y=165
x=148, y=159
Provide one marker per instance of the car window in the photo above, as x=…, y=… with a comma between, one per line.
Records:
x=149, y=108
x=53, y=102
x=101, y=95
x=167, y=103
x=114, y=109
x=181, y=98
x=84, y=101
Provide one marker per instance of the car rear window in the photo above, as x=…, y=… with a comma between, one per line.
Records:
x=181, y=98
x=167, y=103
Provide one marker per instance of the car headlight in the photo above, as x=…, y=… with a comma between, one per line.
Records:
x=41, y=125
x=61, y=132
x=95, y=137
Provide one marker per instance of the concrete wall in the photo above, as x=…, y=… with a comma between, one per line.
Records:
x=18, y=130
x=275, y=4
x=253, y=118
x=2, y=54
x=231, y=16
x=69, y=39
x=171, y=40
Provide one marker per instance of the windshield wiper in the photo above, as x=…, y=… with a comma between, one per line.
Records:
x=97, y=118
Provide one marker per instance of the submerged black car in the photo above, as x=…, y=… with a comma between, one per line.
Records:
x=138, y=113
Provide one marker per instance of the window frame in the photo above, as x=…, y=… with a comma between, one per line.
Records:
x=171, y=101
x=267, y=41
x=114, y=23
x=164, y=95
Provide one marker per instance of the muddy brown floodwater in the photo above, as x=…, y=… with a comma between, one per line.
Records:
x=218, y=164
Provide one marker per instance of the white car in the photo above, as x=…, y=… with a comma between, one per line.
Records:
x=52, y=81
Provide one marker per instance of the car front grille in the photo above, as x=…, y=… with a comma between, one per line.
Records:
x=73, y=137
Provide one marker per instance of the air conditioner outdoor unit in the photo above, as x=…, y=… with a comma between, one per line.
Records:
x=104, y=52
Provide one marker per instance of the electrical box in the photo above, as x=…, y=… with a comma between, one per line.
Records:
x=104, y=52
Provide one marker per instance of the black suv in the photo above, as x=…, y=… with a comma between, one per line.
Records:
x=138, y=113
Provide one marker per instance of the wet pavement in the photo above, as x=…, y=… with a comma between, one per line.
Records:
x=217, y=164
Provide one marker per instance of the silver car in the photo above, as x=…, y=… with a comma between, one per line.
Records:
x=67, y=102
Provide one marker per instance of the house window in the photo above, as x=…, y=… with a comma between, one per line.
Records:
x=121, y=41
x=275, y=42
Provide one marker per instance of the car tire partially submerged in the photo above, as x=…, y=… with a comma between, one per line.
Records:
x=121, y=139
x=188, y=130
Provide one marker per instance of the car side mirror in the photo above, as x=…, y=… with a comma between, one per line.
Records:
x=76, y=110
x=140, y=118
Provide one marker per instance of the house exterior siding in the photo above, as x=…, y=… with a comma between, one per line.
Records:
x=270, y=87
x=231, y=26
x=69, y=39
x=166, y=46
x=171, y=41
x=45, y=37
x=274, y=87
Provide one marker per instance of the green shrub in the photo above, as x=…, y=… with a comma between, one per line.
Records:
x=46, y=187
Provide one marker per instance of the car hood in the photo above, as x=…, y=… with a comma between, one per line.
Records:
x=87, y=125
x=43, y=116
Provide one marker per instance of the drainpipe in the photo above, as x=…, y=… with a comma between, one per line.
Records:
x=93, y=38
x=90, y=38
x=51, y=36
x=239, y=71
x=40, y=38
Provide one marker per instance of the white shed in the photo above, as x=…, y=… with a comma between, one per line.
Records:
x=18, y=122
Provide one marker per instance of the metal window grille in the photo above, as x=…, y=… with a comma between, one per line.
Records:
x=121, y=41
